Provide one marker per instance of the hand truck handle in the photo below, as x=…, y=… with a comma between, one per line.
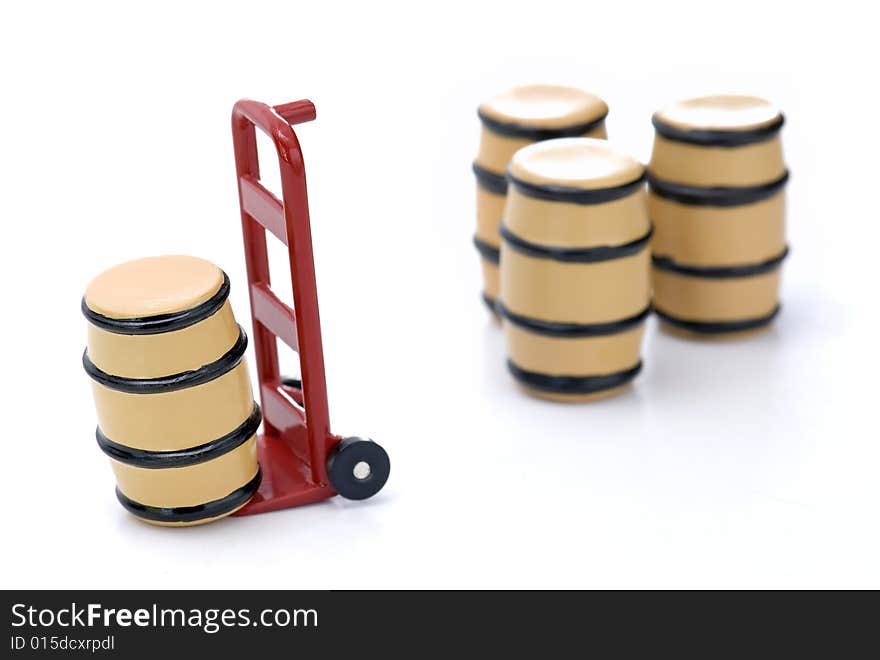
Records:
x=296, y=112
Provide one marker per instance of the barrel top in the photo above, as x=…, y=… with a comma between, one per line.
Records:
x=585, y=163
x=152, y=286
x=544, y=106
x=720, y=113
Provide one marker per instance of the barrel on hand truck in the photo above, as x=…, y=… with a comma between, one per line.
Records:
x=176, y=415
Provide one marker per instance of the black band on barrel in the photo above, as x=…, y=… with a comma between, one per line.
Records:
x=490, y=181
x=488, y=252
x=718, y=138
x=717, y=327
x=572, y=384
x=720, y=272
x=553, y=193
x=490, y=302
x=152, y=460
x=227, y=362
x=575, y=255
x=154, y=325
x=715, y=196
x=535, y=133
x=571, y=330
x=182, y=514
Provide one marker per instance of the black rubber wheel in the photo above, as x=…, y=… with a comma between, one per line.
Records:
x=295, y=383
x=358, y=468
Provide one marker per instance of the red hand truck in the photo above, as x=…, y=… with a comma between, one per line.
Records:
x=301, y=461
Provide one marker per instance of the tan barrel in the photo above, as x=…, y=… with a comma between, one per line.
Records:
x=510, y=121
x=176, y=413
x=575, y=286
x=717, y=199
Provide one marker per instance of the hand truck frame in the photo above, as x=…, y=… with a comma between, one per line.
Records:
x=301, y=460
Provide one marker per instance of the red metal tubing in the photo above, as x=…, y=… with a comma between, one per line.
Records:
x=275, y=122
x=297, y=112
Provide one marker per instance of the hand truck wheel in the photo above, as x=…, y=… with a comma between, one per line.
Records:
x=358, y=468
x=295, y=383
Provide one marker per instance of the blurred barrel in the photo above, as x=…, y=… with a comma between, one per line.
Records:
x=574, y=268
x=510, y=121
x=717, y=199
x=176, y=414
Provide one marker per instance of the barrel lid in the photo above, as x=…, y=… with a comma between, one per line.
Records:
x=153, y=286
x=544, y=106
x=720, y=113
x=584, y=163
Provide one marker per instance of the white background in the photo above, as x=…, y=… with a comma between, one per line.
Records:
x=749, y=464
